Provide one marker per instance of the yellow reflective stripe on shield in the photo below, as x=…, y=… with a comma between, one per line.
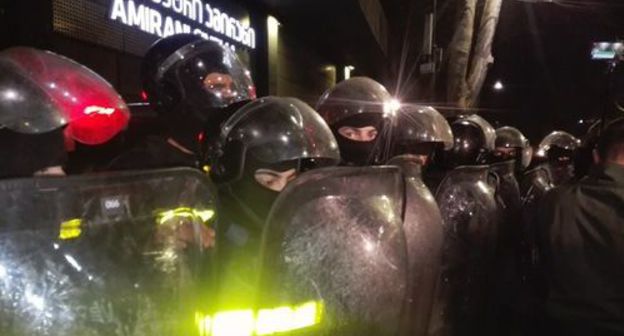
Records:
x=263, y=322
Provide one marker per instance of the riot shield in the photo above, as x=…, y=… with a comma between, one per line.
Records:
x=424, y=235
x=508, y=192
x=335, y=237
x=535, y=184
x=508, y=276
x=469, y=211
x=111, y=254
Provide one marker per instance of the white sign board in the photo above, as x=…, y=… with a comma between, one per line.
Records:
x=168, y=17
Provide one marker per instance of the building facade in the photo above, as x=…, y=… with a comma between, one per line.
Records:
x=295, y=50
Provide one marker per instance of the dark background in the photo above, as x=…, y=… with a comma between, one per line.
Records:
x=542, y=55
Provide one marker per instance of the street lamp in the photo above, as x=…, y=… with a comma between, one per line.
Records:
x=498, y=86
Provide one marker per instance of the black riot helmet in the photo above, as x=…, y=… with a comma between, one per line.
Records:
x=559, y=147
x=474, y=140
x=420, y=130
x=362, y=107
x=511, y=144
x=270, y=133
x=199, y=72
x=47, y=100
x=193, y=83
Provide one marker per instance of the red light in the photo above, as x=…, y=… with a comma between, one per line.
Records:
x=94, y=111
x=144, y=96
x=252, y=91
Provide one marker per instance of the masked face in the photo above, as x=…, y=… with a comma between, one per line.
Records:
x=420, y=153
x=274, y=180
x=505, y=154
x=360, y=134
x=358, y=137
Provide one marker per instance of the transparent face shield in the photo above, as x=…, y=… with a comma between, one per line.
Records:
x=488, y=130
x=24, y=106
x=422, y=124
x=210, y=75
x=281, y=129
x=560, y=139
x=93, y=110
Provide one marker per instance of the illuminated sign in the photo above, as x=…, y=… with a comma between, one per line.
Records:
x=156, y=17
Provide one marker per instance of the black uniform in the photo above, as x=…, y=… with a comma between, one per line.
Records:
x=268, y=133
x=154, y=152
x=582, y=249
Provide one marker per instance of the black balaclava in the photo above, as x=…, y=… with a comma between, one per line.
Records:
x=255, y=199
x=516, y=157
x=560, y=171
x=360, y=153
x=24, y=154
x=427, y=149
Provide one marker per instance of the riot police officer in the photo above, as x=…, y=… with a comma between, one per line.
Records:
x=511, y=156
x=467, y=200
x=559, y=148
x=194, y=85
x=358, y=111
x=512, y=145
x=48, y=102
x=419, y=133
x=262, y=148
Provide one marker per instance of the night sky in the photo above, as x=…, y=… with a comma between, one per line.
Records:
x=542, y=55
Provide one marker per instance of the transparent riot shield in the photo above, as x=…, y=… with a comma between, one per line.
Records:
x=535, y=184
x=424, y=235
x=508, y=277
x=335, y=237
x=469, y=210
x=508, y=192
x=111, y=254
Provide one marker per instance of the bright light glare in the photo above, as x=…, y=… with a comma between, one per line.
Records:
x=3, y=272
x=264, y=322
x=498, y=86
x=73, y=262
x=233, y=323
x=347, y=71
x=34, y=300
x=10, y=95
x=392, y=106
x=98, y=110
